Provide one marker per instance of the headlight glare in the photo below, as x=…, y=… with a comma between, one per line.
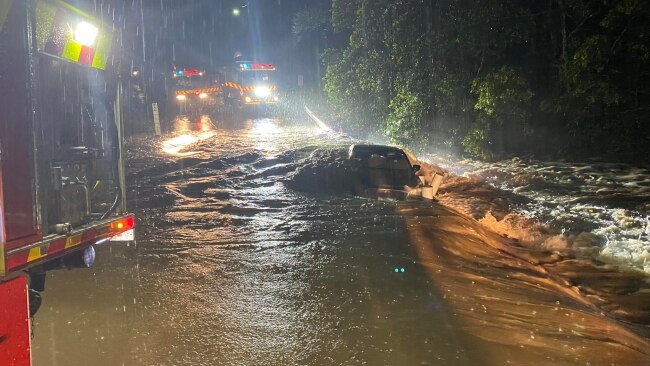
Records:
x=262, y=91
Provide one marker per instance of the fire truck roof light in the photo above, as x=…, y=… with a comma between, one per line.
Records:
x=86, y=34
x=256, y=66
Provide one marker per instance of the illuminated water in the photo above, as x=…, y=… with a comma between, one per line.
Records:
x=600, y=209
x=232, y=267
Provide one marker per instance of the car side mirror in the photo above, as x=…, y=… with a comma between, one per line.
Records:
x=416, y=168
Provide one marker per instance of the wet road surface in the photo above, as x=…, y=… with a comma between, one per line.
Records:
x=233, y=267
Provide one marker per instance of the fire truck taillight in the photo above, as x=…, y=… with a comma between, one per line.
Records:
x=124, y=224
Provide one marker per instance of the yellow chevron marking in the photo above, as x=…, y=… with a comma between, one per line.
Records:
x=73, y=241
x=38, y=252
x=198, y=91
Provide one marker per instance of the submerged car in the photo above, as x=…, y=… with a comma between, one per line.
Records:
x=382, y=170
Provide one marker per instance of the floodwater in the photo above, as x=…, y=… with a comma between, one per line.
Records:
x=237, y=262
x=602, y=209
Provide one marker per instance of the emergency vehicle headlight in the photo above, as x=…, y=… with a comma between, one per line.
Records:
x=262, y=91
x=203, y=95
x=181, y=97
x=86, y=34
x=247, y=99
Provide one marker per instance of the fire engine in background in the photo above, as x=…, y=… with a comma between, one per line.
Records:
x=251, y=84
x=62, y=187
x=195, y=92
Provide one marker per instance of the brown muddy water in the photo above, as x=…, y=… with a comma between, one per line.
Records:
x=244, y=256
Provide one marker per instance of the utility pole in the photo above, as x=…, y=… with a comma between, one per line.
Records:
x=147, y=72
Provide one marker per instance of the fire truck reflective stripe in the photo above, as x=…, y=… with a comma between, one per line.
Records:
x=55, y=36
x=198, y=91
x=73, y=241
x=57, y=246
x=233, y=85
x=72, y=50
x=87, y=55
x=5, y=6
x=102, y=51
x=37, y=252
x=20, y=257
x=3, y=272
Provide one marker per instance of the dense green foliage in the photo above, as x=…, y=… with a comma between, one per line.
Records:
x=495, y=77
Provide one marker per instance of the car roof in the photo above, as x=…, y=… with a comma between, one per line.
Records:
x=359, y=150
x=362, y=149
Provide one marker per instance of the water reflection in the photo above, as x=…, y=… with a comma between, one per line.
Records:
x=187, y=133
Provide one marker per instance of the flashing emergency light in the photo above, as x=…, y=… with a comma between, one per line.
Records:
x=86, y=34
x=262, y=91
x=256, y=66
x=181, y=97
x=190, y=72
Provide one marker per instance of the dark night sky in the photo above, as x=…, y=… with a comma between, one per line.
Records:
x=205, y=33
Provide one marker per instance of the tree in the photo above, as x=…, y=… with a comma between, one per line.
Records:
x=494, y=77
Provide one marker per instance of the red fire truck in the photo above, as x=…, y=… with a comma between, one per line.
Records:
x=195, y=92
x=251, y=84
x=62, y=188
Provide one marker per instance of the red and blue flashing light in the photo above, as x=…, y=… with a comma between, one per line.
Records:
x=188, y=73
x=253, y=66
